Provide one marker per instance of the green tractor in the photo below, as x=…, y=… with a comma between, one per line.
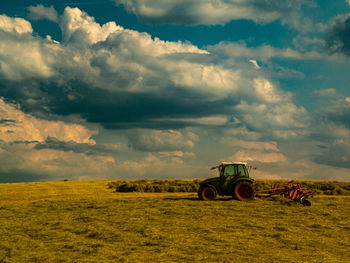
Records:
x=234, y=181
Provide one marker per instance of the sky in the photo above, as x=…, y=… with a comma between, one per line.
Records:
x=127, y=89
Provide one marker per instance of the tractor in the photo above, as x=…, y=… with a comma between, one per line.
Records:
x=234, y=181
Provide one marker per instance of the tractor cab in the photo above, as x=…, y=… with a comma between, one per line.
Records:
x=232, y=169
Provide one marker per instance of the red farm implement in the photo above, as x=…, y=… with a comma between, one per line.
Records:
x=291, y=191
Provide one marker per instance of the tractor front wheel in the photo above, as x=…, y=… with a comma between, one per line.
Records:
x=207, y=193
x=243, y=191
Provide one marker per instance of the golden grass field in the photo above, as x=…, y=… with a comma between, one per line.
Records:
x=87, y=221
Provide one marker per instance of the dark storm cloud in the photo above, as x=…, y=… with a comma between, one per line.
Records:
x=333, y=134
x=338, y=113
x=23, y=142
x=71, y=146
x=115, y=109
x=341, y=117
x=338, y=36
x=337, y=154
x=20, y=176
x=6, y=122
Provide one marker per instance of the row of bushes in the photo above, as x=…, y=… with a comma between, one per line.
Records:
x=191, y=185
x=156, y=186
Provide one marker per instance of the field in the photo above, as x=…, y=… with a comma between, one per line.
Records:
x=88, y=221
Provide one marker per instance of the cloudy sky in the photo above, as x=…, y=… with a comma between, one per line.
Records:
x=108, y=89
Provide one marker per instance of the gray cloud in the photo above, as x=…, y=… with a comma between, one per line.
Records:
x=332, y=131
x=338, y=35
x=337, y=154
x=41, y=12
x=20, y=176
x=337, y=112
x=7, y=122
x=88, y=149
x=209, y=12
x=159, y=140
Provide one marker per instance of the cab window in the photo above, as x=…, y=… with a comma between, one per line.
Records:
x=229, y=170
x=241, y=170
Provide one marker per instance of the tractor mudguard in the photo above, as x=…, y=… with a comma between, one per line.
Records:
x=250, y=180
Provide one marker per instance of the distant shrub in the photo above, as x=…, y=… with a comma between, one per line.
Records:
x=156, y=186
x=128, y=188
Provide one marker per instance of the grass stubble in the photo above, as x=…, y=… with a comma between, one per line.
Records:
x=85, y=221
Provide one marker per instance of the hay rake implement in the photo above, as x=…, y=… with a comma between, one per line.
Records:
x=291, y=191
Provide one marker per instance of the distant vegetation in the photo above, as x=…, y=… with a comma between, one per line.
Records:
x=191, y=185
x=156, y=186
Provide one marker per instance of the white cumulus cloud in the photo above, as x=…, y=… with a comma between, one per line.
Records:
x=250, y=156
x=268, y=92
x=16, y=125
x=254, y=145
x=255, y=63
x=17, y=25
x=77, y=26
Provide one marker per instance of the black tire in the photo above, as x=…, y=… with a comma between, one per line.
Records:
x=200, y=193
x=306, y=203
x=207, y=193
x=243, y=191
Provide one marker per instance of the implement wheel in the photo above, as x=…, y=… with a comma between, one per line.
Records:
x=306, y=203
x=207, y=193
x=243, y=191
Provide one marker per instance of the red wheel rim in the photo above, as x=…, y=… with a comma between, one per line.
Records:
x=244, y=191
x=208, y=194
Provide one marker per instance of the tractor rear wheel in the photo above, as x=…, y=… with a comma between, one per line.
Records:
x=243, y=191
x=207, y=193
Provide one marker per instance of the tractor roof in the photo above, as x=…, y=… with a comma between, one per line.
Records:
x=227, y=163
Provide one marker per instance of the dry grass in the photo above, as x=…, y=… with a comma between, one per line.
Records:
x=88, y=222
